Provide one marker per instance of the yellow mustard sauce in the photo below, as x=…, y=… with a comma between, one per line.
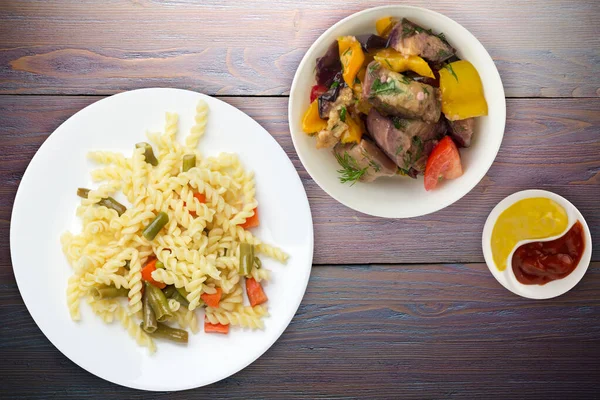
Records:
x=535, y=218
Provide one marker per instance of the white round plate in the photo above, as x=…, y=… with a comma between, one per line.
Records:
x=507, y=277
x=45, y=207
x=401, y=197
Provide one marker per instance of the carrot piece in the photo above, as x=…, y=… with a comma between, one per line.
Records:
x=255, y=292
x=212, y=300
x=215, y=328
x=251, y=222
x=201, y=198
x=147, y=274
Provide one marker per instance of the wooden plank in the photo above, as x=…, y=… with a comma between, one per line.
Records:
x=549, y=144
x=542, y=48
x=418, y=331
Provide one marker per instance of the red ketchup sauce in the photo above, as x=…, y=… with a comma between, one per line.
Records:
x=538, y=263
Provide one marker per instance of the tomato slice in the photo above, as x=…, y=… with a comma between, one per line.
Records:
x=316, y=91
x=443, y=163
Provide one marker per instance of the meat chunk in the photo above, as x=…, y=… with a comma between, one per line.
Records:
x=408, y=142
x=462, y=131
x=329, y=136
x=364, y=160
x=394, y=94
x=412, y=40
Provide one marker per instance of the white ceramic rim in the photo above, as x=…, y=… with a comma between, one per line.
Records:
x=442, y=204
x=507, y=277
x=53, y=338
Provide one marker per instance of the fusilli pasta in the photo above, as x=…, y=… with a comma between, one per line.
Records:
x=195, y=252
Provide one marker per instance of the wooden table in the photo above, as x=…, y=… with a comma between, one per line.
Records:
x=394, y=308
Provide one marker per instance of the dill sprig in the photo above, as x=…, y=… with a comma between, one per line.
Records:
x=350, y=171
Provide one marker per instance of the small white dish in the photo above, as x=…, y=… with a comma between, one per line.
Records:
x=507, y=277
x=45, y=207
x=401, y=197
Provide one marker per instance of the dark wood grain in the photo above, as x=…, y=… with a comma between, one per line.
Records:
x=546, y=48
x=551, y=144
x=398, y=331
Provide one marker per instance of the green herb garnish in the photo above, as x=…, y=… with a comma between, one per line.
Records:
x=373, y=68
x=407, y=30
x=348, y=51
x=444, y=54
x=419, y=144
x=442, y=36
x=343, y=113
x=402, y=171
x=375, y=166
x=407, y=159
x=425, y=90
x=399, y=123
x=449, y=68
x=381, y=88
x=388, y=63
x=334, y=85
x=356, y=80
x=399, y=150
x=350, y=171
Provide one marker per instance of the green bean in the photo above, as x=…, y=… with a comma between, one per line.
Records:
x=148, y=316
x=108, y=292
x=83, y=192
x=257, y=262
x=148, y=153
x=166, y=332
x=108, y=202
x=158, y=302
x=159, y=264
x=246, y=258
x=156, y=225
x=184, y=293
x=168, y=291
x=172, y=293
x=189, y=162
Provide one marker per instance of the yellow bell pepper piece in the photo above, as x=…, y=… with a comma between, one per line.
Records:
x=391, y=59
x=351, y=56
x=462, y=91
x=312, y=122
x=354, y=132
x=384, y=26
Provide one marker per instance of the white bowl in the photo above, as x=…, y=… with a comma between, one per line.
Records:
x=401, y=197
x=507, y=278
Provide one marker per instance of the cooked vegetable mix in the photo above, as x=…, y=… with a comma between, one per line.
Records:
x=391, y=102
x=107, y=202
x=158, y=302
x=156, y=225
x=172, y=293
x=246, y=258
x=189, y=162
x=148, y=153
x=164, y=331
x=108, y=292
x=149, y=323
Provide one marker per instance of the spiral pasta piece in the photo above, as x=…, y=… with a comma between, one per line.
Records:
x=246, y=317
x=135, y=283
x=199, y=127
